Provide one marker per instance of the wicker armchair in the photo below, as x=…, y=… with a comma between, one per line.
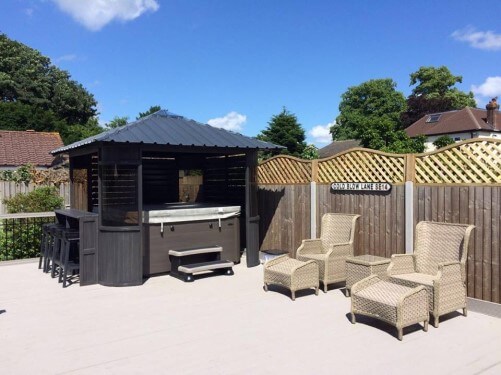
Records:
x=332, y=248
x=438, y=264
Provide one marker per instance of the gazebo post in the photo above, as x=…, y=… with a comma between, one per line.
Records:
x=251, y=210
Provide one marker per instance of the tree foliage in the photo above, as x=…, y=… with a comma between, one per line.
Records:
x=442, y=141
x=34, y=94
x=285, y=130
x=434, y=92
x=418, y=106
x=117, y=122
x=371, y=112
x=310, y=152
x=153, y=109
x=433, y=82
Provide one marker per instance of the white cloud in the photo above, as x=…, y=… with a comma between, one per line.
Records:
x=29, y=12
x=232, y=121
x=321, y=133
x=95, y=14
x=69, y=57
x=491, y=87
x=487, y=40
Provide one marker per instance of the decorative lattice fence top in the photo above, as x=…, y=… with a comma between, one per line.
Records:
x=475, y=161
x=284, y=170
x=362, y=165
x=470, y=162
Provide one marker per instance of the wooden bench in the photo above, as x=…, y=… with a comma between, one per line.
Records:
x=187, y=262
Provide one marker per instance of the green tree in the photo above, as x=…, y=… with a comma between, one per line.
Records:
x=434, y=92
x=28, y=77
x=34, y=94
x=117, y=122
x=442, y=141
x=310, y=152
x=153, y=109
x=284, y=129
x=433, y=82
x=418, y=106
x=19, y=116
x=371, y=112
x=74, y=133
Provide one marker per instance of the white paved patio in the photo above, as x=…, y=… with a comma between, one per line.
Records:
x=219, y=325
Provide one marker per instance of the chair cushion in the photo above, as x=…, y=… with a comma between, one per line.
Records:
x=384, y=292
x=286, y=267
x=416, y=278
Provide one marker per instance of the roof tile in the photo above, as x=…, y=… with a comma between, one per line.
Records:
x=27, y=147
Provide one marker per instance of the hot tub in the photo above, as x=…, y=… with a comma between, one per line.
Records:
x=176, y=226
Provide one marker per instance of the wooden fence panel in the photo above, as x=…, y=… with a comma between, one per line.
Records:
x=284, y=216
x=381, y=227
x=477, y=205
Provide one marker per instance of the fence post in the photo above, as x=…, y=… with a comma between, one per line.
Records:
x=313, y=199
x=410, y=175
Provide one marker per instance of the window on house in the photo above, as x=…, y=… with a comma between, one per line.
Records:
x=434, y=117
x=457, y=139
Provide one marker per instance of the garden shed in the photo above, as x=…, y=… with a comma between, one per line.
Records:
x=129, y=177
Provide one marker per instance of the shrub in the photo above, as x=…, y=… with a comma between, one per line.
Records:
x=442, y=141
x=20, y=238
x=39, y=200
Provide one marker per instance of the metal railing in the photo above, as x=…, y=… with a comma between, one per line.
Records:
x=20, y=234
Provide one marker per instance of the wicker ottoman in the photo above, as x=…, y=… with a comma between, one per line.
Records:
x=395, y=304
x=292, y=274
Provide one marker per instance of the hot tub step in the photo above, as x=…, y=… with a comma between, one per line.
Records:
x=194, y=251
x=205, y=266
x=186, y=271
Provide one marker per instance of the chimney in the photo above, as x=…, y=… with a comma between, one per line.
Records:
x=492, y=109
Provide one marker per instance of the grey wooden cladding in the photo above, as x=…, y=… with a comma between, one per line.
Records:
x=381, y=227
x=88, y=250
x=120, y=259
x=178, y=236
x=477, y=205
x=87, y=224
x=284, y=212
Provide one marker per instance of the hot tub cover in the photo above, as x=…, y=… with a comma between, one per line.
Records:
x=183, y=212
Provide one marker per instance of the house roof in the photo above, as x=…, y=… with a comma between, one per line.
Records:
x=166, y=128
x=463, y=120
x=336, y=147
x=27, y=147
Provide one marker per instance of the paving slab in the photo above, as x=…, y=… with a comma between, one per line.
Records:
x=220, y=325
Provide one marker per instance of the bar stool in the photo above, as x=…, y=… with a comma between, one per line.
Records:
x=69, y=240
x=46, y=245
x=55, y=256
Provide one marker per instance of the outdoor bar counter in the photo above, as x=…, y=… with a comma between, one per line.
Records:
x=86, y=223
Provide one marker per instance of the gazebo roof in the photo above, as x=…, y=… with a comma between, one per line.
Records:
x=166, y=128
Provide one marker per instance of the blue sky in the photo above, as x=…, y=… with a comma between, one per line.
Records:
x=236, y=63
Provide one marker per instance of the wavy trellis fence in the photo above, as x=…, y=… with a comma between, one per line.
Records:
x=459, y=183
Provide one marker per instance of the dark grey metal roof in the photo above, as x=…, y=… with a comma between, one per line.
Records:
x=166, y=128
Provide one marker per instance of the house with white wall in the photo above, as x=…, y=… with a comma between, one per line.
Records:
x=460, y=125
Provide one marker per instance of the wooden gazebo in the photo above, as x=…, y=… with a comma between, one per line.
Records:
x=116, y=174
